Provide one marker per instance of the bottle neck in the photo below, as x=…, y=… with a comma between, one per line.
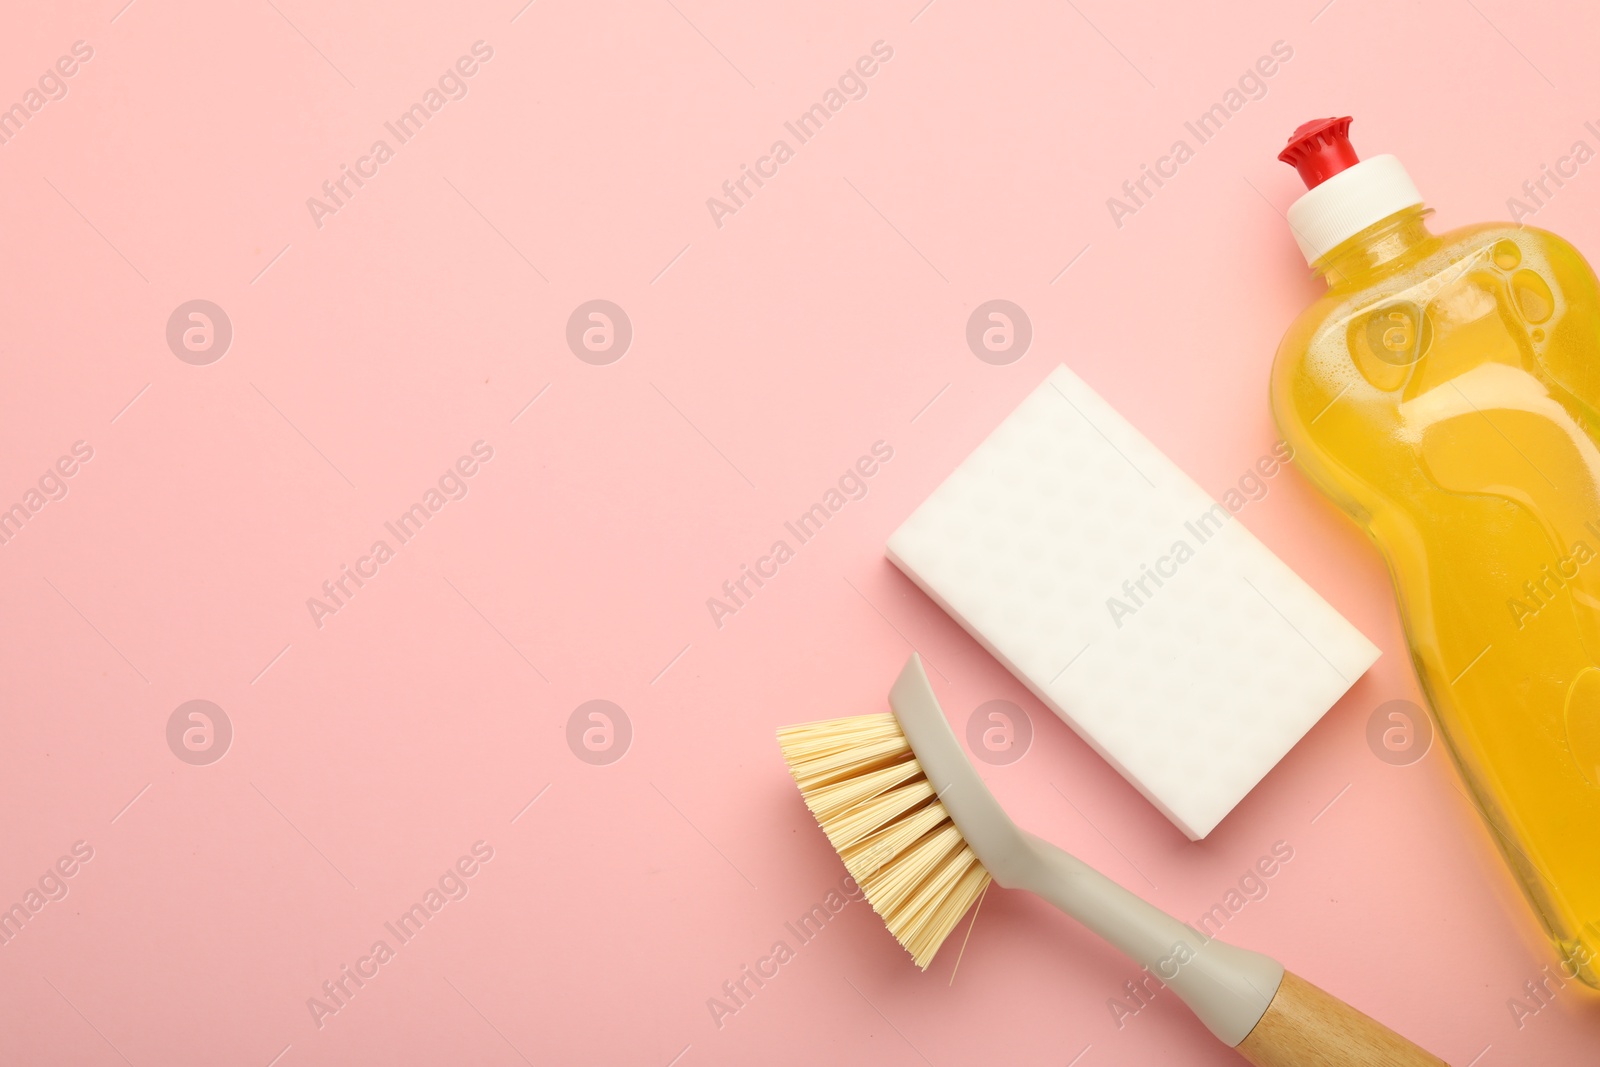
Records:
x=1378, y=249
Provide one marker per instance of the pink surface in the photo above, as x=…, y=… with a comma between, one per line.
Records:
x=374, y=747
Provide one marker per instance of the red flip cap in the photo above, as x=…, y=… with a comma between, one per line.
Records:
x=1319, y=149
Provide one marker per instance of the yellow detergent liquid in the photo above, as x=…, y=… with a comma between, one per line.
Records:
x=1445, y=393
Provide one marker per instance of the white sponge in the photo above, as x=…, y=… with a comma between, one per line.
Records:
x=1136, y=607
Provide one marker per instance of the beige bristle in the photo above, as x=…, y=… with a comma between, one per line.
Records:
x=849, y=825
x=866, y=856
x=929, y=929
x=897, y=880
x=830, y=801
x=819, y=756
x=861, y=780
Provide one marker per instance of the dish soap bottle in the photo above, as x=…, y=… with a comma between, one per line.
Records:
x=1445, y=393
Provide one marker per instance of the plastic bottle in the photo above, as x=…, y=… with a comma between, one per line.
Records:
x=1445, y=393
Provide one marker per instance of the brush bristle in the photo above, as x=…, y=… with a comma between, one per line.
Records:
x=861, y=780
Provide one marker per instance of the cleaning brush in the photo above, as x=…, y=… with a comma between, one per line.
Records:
x=923, y=837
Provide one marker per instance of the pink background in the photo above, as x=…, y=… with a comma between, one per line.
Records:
x=828, y=313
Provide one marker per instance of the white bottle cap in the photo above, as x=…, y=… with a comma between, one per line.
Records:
x=1348, y=202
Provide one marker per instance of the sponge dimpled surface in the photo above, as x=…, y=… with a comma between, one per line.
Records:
x=1132, y=604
